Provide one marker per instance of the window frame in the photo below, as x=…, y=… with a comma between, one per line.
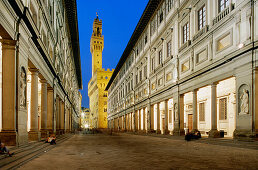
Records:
x=202, y=20
x=169, y=49
x=223, y=117
x=203, y=116
x=186, y=32
x=160, y=57
x=222, y=4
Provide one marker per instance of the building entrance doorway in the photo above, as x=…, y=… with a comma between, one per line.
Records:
x=163, y=124
x=190, y=122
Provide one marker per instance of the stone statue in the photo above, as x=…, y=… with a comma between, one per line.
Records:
x=176, y=111
x=23, y=88
x=244, y=107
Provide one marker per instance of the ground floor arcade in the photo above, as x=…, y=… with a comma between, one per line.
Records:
x=223, y=105
x=32, y=102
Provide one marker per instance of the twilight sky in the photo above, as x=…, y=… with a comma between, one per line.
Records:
x=119, y=19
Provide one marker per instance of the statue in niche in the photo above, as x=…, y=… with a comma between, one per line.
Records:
x=23, y=85
x=175, y=111
x=244, y=107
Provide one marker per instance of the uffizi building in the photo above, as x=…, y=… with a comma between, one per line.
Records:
x=99, y=80
x=189, y=65
x=40, y=69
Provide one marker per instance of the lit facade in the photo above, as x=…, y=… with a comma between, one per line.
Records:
x=40, y=69
x=85, y=118
x=99, y=80
x=189, y=65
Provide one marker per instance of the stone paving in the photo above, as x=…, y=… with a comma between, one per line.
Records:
x=127, y=151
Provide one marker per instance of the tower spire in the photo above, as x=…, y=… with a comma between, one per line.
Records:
x=97, y=15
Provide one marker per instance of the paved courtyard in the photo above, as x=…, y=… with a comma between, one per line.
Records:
x=125, y=151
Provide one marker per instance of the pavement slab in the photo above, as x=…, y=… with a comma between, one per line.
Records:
x=101, y=151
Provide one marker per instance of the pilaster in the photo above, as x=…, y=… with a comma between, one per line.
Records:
x=34, y=134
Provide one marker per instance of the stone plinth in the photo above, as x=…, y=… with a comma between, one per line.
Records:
x=213, y=133
x=44, y=133
x=34, y=136
x=8, y=138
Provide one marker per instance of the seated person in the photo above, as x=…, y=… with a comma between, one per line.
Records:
x=193, y=135
x=51, y=139
x=4, y=150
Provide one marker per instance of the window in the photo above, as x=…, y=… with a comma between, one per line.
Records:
x=145, y=72
x=146, y=39
x=185, y=32
x=160, y=82
x=185, y=66
x=160, y=57
x=223, y=4
x=169, y=49
x=168, y=76
x=160, y=15
x=223, y=109
x=105, y=95
x=140, y=75
x=132, y=84
x=170, y=116
x=202, y=56
x=152, y=63
x=201, y=112
x=153, y=86
x=224, y=42
x=136, y=79
x=201, y=17
x=145, y=91
x=169, y=5
x=105, y=109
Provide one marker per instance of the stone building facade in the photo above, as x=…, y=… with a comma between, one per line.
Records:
x=99, y=79
x=189, y=65
x=85, y=118
x=40, y=69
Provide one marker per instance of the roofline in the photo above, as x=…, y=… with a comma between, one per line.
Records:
x=144, y=20
x=72, y=18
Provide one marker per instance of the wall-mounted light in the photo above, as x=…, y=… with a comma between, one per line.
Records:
x=241, y=45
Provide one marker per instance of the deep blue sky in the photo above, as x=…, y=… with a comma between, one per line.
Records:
x=119, y=19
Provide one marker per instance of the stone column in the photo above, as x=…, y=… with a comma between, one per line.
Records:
x=50, y=110
x=194, y=110
x=125, y=123
x=8, y=132
x=134, y=121
x=181, y=115
x=178, y=115
x=62, y=117
x=152, y=118
x=139, y=119
x=166, y=117
x=34, y=131
x=143, y=117
x=158, y=119
x=213, y=132
x=57, y=114
x=122, y=122
x=148, y=117
x=43, y=129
